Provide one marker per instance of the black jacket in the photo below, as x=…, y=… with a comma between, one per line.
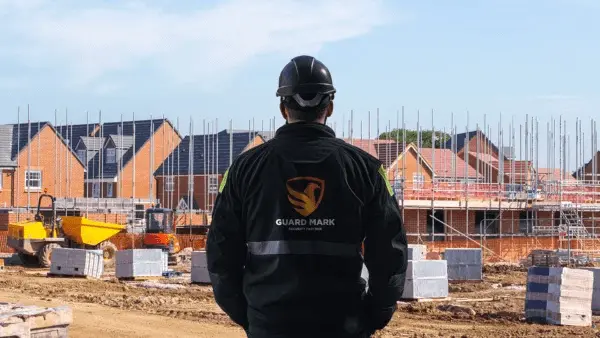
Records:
x=284, y=246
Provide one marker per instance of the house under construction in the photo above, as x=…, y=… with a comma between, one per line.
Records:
x=456, y=189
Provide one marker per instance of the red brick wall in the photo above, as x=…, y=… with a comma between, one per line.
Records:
x=171, y=199
x=62, y=173
x=7, y=188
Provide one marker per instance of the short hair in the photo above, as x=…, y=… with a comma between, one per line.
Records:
x=308, y=114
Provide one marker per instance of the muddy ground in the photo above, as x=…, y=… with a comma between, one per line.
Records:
x=109, y=308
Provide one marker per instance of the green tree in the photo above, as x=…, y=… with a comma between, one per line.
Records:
x=412, y=136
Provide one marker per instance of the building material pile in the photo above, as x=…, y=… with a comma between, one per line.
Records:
x=200, y=268
x=424, y=278
x=560, y=296
x=77, y=262
x=464, y=264
x=139, y=263
x=33, y=321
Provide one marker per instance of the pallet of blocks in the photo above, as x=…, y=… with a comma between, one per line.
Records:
x=18, y=321
x=464, y=265
x=77, y=263
x=139, y=264
x=560, y=296
x=596, y=291
x=426, y=279
x=200, y=268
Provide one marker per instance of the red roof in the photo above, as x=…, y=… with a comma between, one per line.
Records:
x=443, y=163
x=553, y=174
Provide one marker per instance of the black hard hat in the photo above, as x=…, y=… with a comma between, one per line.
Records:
x=304, y=76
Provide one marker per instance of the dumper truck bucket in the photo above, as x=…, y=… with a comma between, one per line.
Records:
x=86, y=231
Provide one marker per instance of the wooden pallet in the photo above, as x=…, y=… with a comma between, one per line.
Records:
x=465, y=281
x=424, y=300
x=53, y=275
x=139, y=278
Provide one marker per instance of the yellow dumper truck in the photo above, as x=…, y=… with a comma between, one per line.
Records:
x=35, y=240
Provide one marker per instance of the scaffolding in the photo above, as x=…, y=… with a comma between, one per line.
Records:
x=480, y=183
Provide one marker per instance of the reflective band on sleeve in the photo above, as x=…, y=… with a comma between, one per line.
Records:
x=303, y=248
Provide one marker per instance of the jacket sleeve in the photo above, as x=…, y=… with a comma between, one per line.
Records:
x=226, y=251
x=385, y=253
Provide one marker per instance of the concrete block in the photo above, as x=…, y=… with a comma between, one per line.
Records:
x=200, y=275
x=18, y=321
x=426, y=279
x=423, y=269
x=464, y=264
x=199, y=259
x=416, y=252
x=77, y=262
x=139, y=263
x=429, y=287
x=463, y=256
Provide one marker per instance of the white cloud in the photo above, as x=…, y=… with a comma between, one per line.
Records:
x=94, y=42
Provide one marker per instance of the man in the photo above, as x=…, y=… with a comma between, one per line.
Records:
x=284, y=247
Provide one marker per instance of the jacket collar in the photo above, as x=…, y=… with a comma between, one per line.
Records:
x=305, y=129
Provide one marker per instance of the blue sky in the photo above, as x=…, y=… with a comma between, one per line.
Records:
x=221, y=59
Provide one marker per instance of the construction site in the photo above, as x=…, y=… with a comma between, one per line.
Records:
x=513, y=195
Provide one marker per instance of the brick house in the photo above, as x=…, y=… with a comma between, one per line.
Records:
x=212, y=155
x=121, y=157
x=35, y=158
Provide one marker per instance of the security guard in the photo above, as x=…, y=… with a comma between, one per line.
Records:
x=284, y=248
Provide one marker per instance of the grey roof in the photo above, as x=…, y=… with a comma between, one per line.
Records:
x=210, y=153
x=74, y=132
x=122, y=141
x=144, y=129
x=6, y=159
x=90, y=143
x=14, y=138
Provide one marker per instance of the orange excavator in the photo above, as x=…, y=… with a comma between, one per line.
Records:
x=160, y=233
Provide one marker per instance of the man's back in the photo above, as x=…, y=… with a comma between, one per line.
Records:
x=303, y=203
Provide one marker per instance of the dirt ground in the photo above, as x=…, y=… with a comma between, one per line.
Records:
x=109, y=308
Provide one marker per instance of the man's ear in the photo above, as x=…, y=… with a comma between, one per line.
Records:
x=282, y=110
x=330, y=109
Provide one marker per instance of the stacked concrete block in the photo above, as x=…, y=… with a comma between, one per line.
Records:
x=134, y=263
x=571, y=303
x=426, y=279
x=464, y=264
x=559, y=296
x=200, y=268
x=77, y=262
x=416, y=252
x=596, y=292
x=536, y=294
x=33, y=321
